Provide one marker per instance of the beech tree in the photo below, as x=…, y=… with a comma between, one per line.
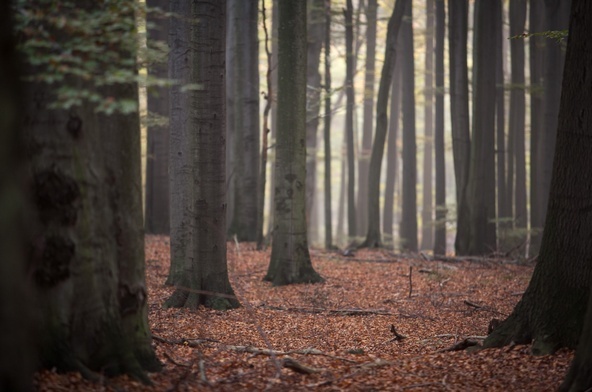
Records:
x=327, y=129
x=552, y=309
x=349, y=120
x=198, y=186
x=290, y=260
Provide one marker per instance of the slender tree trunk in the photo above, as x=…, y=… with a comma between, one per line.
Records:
x=364, y=156
x=243, y=17
x=290, y=260
x=203, y=276
x=392, y=154
x=349, y=121
x=459, y=115
x=327, y=129
x=16, y=333
x=316, y=22
x=427, y=211
x=551, y=312
x=409, y=214
x=518, y=112
x=157, y=160
x=481, y=185
x=440, y=229
x=274, y=117
x=536, y=55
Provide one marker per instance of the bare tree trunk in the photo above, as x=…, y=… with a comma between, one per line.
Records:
x=327, y=129
x=274, y=117
x=349, y=122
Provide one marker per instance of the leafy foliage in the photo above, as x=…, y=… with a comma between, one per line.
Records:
x=82, y=49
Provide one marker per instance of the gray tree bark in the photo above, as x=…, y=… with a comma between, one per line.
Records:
x=349, y=121
x=290, y=260
x=327, y=129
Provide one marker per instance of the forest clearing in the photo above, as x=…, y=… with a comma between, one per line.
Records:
x=344, y=324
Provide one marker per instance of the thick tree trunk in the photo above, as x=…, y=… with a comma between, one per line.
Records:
x=409, y=215
x=366, y=148
x=459, y=116
x=157, y=160
x=244, y=65
x=327, y=129
x=427, y=210
x=16, y=332
x=440, y=229
x=349, y=121
x=200, y=237
x=290, y=260
x=551, y=312
x=316, y=24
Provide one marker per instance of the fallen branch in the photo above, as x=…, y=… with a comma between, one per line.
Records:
x=450, y=335
x=185, y=342
x=168, y=356
x=296, y=366
x=460, y=346
x=481, y=307
x=306, y=351
x=344, y=312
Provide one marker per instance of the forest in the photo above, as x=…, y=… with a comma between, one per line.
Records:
x=295, y=195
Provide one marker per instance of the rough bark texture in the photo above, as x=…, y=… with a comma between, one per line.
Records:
x=243, y=64
x=198, y=234
x=366, y=148
x=87, y=250
x=16, y=335
x=459, y=115
x=327, y=129
x=440, y=229
x=290, y=260
x=157, y=219
x=373, y=236
x=481, y=185
x=551, y=312
x=349, y=121
x=274, y=114
x=316, y=24
x=409, y=215
x=392, y=154
x=427, y=210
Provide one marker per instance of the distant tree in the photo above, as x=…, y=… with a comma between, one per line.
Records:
x=315, y=31
x=459, y=115
x=551, y=313
x=16, y=335
x=243, y=66
x=327, y=129
x=290, y=260
x=408, y=231
x=440, y=234
x=198, y=186
x=86, y=250
x=427, y=210
x=481, y=185
x=349, y=121
x=366, y=148
x=373, y=237
x=157, y=216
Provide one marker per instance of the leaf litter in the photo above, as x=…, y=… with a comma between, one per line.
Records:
x=381, y=321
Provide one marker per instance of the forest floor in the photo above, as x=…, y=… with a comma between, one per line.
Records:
x=338, y=335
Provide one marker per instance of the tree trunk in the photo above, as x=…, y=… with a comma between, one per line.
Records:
x=157, y=219
x=551, y=312
x=536, y=55
x=244, y=65
x=327, y=129
x=440, y=238
x=409, y=214
x=427, y=211
x=274, y=117
x=16, y=332
x=349, y=121
x=198, y=240
x=517, y=115
x=316, y=22
x=481, y=185
x=290, y=259
x=364, y=156
x=459, y=116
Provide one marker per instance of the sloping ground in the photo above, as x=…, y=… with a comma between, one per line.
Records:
x=340, y=335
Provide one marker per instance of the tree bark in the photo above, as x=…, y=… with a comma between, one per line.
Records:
x=290, y=260
x=157, y=214
x=440, y=229
x=409, y=215
x=327, y=129
x=198, y=241
x=551, y=312
x=349, y=121
x=244, y=66
x=459, y=116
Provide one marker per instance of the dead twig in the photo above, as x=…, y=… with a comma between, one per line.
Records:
x=298, y=367
x=306, y=351
x=410, y=281
x=460, y=346
x=344, y=312
x=168, y=356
